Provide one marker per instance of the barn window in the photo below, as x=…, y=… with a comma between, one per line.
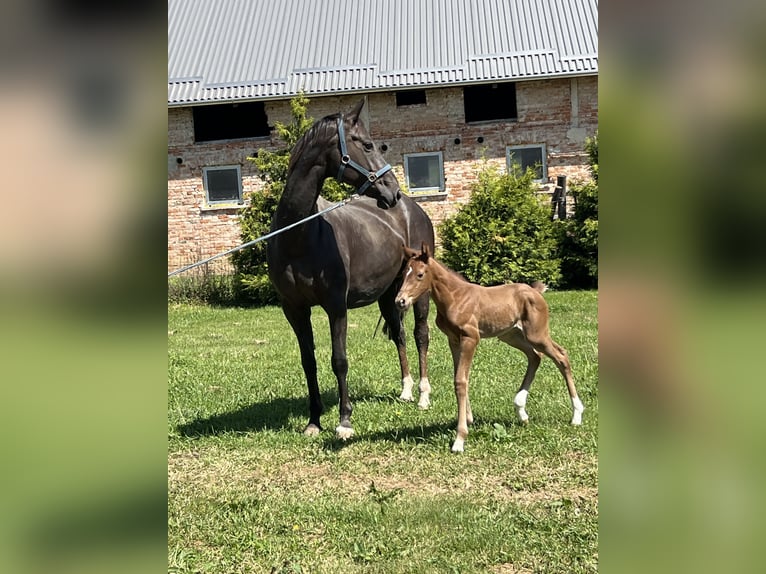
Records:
x=410, y=98
x=222, y=184
x=424, y=172
x=521, y=157
x=489, y=102
x=230, y=121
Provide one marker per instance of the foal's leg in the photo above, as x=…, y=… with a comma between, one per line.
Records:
x=338, y=332
x=463, y=349
x=420, y=310
x=560, y=357
x=300, y=320
x=516, y=339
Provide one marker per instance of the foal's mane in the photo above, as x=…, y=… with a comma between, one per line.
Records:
x=451, y=272
x=319, y=129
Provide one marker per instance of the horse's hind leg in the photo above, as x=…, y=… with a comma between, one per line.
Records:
x=516, y=339
x=300, y=320
x=420, y=310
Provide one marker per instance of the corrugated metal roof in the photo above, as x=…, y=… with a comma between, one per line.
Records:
x=221, y=50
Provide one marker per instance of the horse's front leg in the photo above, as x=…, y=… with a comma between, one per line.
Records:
x=300, y=320
x=463, y=349
x=338, y=332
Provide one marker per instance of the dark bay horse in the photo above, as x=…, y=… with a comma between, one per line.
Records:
x=515, y=313
x=346, y=258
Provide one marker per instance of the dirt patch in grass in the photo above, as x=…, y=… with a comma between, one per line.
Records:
x=211, y=472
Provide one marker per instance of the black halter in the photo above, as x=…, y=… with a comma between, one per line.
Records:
x=345, y=160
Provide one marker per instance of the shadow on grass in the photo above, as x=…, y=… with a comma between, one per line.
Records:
x=278, y=415
x=275, y=414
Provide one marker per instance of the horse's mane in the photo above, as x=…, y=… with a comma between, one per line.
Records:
x=319, y=128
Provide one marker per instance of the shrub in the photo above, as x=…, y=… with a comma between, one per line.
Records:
x=578, y=236
x=503, y=234
x=202, y=287
x=251, y=277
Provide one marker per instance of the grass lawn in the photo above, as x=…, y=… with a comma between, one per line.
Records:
x=249, y=493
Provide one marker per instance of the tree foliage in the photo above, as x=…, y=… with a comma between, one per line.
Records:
x=578, y=236
x=503, y=234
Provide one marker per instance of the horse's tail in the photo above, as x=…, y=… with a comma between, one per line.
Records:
x=385, y=327
x=539, y=286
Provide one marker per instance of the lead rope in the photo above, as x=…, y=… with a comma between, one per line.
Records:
x=263, y=237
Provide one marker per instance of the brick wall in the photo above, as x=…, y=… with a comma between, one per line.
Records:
x=560, y=113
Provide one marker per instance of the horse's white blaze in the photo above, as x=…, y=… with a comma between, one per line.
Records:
x=577, y=409
x=520, y=401
x=409, y=270
x=407, y=384
x=425, y=393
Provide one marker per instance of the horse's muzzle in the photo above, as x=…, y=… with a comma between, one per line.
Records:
x=403, y=302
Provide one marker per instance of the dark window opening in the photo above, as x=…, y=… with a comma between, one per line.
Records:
x=490, y=102
x=410, y=98
x=230, y=121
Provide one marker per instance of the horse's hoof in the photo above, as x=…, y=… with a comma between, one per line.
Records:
x=311, y=430
x=457, y=446
x=424, y=403
x=577, y=419
x=344, y=433
x=406, y=397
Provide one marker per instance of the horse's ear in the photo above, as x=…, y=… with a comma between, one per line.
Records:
x=409, y=253
x=353, y=115
x=425, y=250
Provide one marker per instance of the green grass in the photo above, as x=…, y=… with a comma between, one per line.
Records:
x=249, y=493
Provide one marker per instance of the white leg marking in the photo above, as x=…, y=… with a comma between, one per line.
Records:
x=577, y=409
x=311, y=430
x=425, y=394
x=457, y=446
x=520, y=400
x=344, y=433
x=407, y=383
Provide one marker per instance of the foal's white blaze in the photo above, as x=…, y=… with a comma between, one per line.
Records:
x=407, y=384
x=520, y=401
x=577, y=409
x=425, y=392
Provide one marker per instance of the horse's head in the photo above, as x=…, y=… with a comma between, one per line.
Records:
x=416, y=276
x=361, y=165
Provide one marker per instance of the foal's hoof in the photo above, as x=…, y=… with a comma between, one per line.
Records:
x=424, y=403
x=457, y=446
x=344, y=433
x=406, y=397
x=311, y=430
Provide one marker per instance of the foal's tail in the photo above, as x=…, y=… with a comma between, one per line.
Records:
x=539, y=286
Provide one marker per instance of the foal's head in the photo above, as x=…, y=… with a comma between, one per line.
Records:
x=417, y=276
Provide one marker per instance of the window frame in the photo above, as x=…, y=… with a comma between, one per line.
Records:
x=543, y=154
x=206, y=185
x=424, y=190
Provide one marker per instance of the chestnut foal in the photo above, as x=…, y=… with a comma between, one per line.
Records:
x=515, y=313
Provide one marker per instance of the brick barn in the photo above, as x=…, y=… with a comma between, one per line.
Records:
x=446, y=83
